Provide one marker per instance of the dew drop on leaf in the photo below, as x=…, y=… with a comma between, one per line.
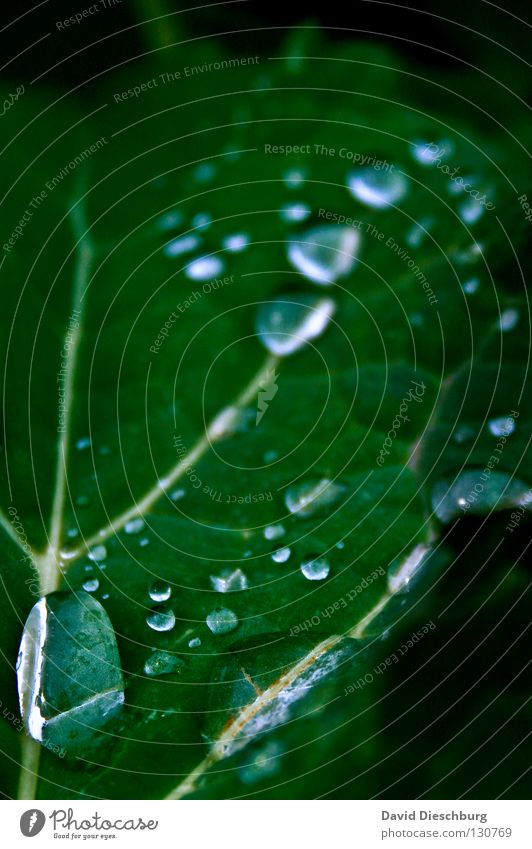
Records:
x=502, y=426
x=160, y=591
x=204, y=268
x=285, y=324
x=98, y=553
x=161, y=619
x=471, y=286
x=91, y=585
x=281, y=555
x=315, y=568
x=508, y=319
x=294, y=178
x=202, y=221
x=229, y=581
x=134, y=526
x=272, y=532
x=222, y=621
x=69, y=676
x=313, y=496
x=297, y=211
x=452, y=497
x=325, y=254
x=471, y=210
x=194, y=643
x=83, y=443
x=463, y=433
x=236, y=242
x=163, y=663
x=377, y=189
x=182, y=245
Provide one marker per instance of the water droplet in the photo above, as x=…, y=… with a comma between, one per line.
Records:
x=315, y=568
x=69, y=676
x=178, y=494
x=418, y=232
x=270, y=456
x=222, y=621
x=83, y=443
x=134, y=526
x=163, y=663
x=194, y=643
x=169, y=220
x=160, y=591
x=98, y=553
x=204, y=268
x=294, y=211
x=471, y=286
x=229, y=581
x=204, y=172
x=294, y=178
x=72, y=532
x=426, y=153
x=281, y=555
x=403, y=570
x=502, y=426
x=285, y=324
x=340, y=544
x=508, y=320
x=202, y=221
x=470, y=493
x=274, y=532
x=312, y=496
x=91, y=585
x=82, y=501
x=325, y=254
x=236, y=242
x=144, y=542
x=377, y=189
x=263, y=764
x=463, y=433
x=182, y=245
x=471, y=210
x=105, y=596
x=161, y=619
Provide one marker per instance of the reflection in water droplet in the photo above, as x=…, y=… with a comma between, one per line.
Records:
x=471, y=286
x=274, y=532
x=285, y=324
x=377, y=189
x=311, y=496
x=294, y=211
x=229, y=582
x=281, y=555
x=204, y=268
x=222, y=621
x=502, y=426
x=83, y=443
x=315, y=568
x=236, y=242
x=475, y=492
x=160, y=591
x=194, y=643
x=324, y=254
x=508, y=320
x=99, y=552
x=294, y=178
x=91, y=585
x=163, y=663
x=134, y=526
x=161, y=619
x=182, y=245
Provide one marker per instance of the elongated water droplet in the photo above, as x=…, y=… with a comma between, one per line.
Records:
x=222, y=621
x=83, y=443
x=229, y=581
x=204, y=268
x=274, y=532
x=426, y=153
x=281, y=555
x=69, y=676
x=161, y=619
x=377, y=189
x=502, y=426
x=134, y=526
x=508, y=319
x=194, y=643
x=163, y=663
x=315, y=568
x=475, y=492
x=298, y=211
x=98, y=553
x=287, y=323
x=471, y=210
x=325, y=254
x=182, y=245
x=160, y=591
x=471, y=286
x=312, y=496
x=236, y=242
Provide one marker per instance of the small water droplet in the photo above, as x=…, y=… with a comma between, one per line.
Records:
x=163, y=663
x=169, y=220
x=134, y=526
x=315, y=568
x=298, y=211
x=325, y=254
x=294, y=178
x=105, y=596
x=471, y=210
x=144, y=542
x=204, y=268
x=418, y=232
x=204, y=172
x=202, y=221
x=502, y=426
x=471, y=286
x=508, y=319
x=426, y=153
x=263, y=764
x=91, y=585
x=340, y=544
x=463, y=433
x=194, y=643
x=285, y=324
x=274, y=532
x=222, y=621
x=281, y=555
x=377, y=189
x=160, y=591
x=229, y=581
x=270, y=456
x=82, y=501
x=236, y=242
x=98, y=553
x=312, y=496
x=83, y=443
x=161, y=619
x=178, y=494
x=72, y=532
x=182, y=245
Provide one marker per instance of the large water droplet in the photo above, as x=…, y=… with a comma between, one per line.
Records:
x=476, y=492
x=377, y=189
x=194, y=643
x=315, y=568
x=163, y=663
x=281, y=555
x=312, y=496
x=134, y=526
x=204, y=268
x=98, y=553
x=508, y=319
x=160, y=591
x=285, y=324
x=325, y=254
x=182, y=245
x=161, y=619
x=229, y=581
x=91, y=585
x=274, y=532
x=69, y=675
x=222, y=621
x=502, y=426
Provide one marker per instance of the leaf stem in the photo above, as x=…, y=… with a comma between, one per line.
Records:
x=29, y=768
